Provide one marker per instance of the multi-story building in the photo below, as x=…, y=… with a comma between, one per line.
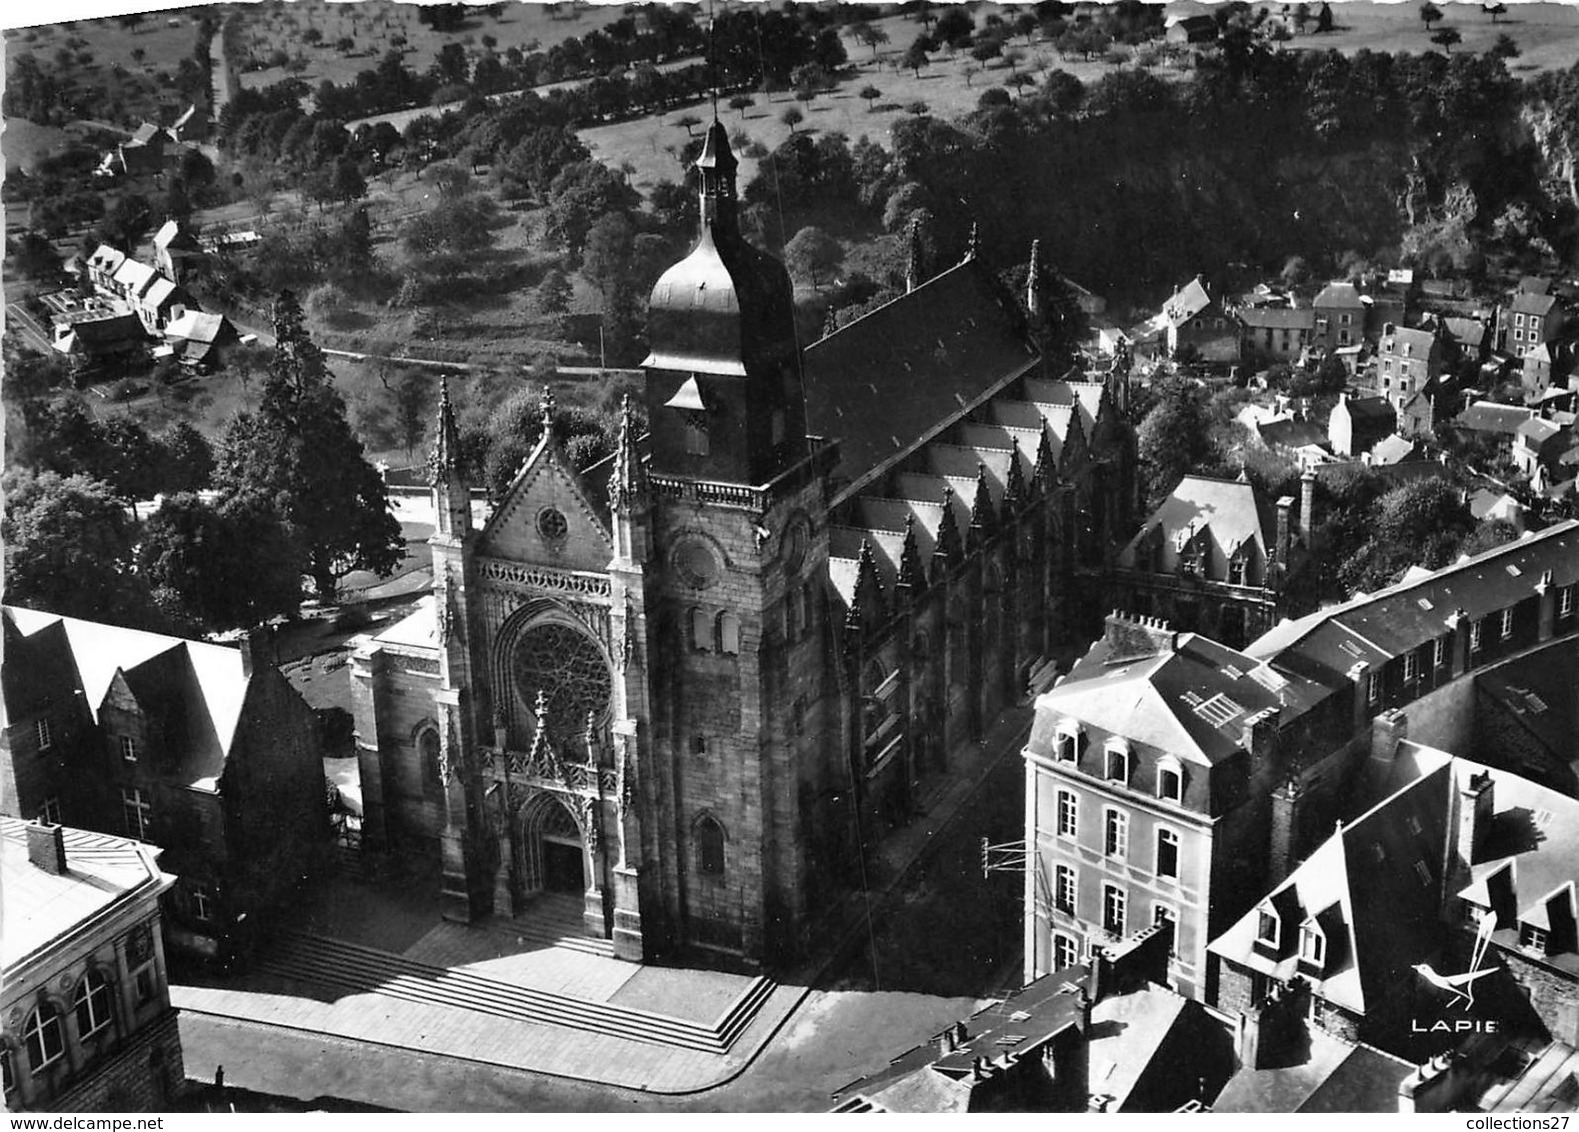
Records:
x=205, y=750
x=1407, y=362
x=1198, y=326
x=677, y=688
x=1340, y=316
x=1215, y=558
x=1530, y=319
x=1149, y=775
x=88, y=1022
x=1274, y=333
x=1357, y=424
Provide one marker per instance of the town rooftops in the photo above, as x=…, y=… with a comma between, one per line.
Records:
x=1391, y=450
x=1187, y=302
x=1538, y=691
x=1276, y=318
x=1340, y=296
x=1489, y=416
x=1374, y=628
x=1337, y=1076
x=207, y=682
x=1408, y=341
x=1372, y=408
x=39, y=906
x=1191, y=697
x=1536, y=431
x=1526, y=303
x=906, y=369
x=1291, y=432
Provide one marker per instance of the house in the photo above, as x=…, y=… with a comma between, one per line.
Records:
x=1528, y=320
x=1148, y=772
x=1494, y=424
x=1288, y=1065
x=1340, y=312
x=174, y=246
x=1357, y=424
x=1460, y=867
x=1408, y=361
x=1469, y=337
x=1546, y=365
x=144, y=153
x=1105, y=1035
x=203, y=749
x=1198, y=326
x=1214, y=557
x=1299, y=438
x=89, y=1026
x=1487, y=504
x=97, y=339
x=102, y=266
x=1540, y=443
x=199, y=340
x=1192, y=29
x=1272, y=333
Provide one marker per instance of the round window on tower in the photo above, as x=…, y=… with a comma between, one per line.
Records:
x=697, y=563
x=795, y=540
x=551, y=524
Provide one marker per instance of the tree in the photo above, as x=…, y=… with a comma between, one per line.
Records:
x=1324, y=19
x=34, y=256
x=1026, y=24
x=1173, y=439
x=792, y=117
x=690, y=122
x=553, y=293
x=1504, y=48
x=1495, y=11
x=1445, y=38
x=347, y=184
x=918, y=108
x=1064, y=92
x=68, y=549
x=226, y=566
x=607, y=260
x=1429, y=13
x=810, y=252
x=915, y=56
x=868, y=92
x=742, y=103
x=186, y=459
x=869, y=36
x=297, y=456
x=127, y=223
x=954, y=26
x=411, y=408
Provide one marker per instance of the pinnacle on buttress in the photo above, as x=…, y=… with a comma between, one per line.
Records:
x=830, y=323
x=912, y=575
x=548, y=406
x=973, y=246
x=1033, y=298
x=629, y=480
x=914, y=275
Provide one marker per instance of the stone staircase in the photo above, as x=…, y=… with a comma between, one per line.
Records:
x=552, y=920
x=355, y=969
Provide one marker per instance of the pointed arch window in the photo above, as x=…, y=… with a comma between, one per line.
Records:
x=428, y=750
x=709, y=837
x=696, y=440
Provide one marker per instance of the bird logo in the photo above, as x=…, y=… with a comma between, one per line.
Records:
x=1463, y=986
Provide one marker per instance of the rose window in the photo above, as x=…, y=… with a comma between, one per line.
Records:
x=569, y=669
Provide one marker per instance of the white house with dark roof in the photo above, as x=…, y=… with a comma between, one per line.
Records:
x=1198, y=324
x=88, y=1025
x=1529, y=320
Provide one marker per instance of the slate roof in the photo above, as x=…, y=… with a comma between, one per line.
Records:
x=1339, y=295
x=1488, y=416
x=1391, y=450
x=38, y=906
x=1540, y=692
x=1337, y=1076
x=1527, y=303
x=1326, y=644
x=1407, y=341
x=1277, y=318
x=196, y=334
x=1291, y=432
x=1538, y=431
x=134, y=276
x=1229, y=512
x=895, y=375
x=1161, y=701
x=98, y=334
x=1187, y=302
x=207, y=680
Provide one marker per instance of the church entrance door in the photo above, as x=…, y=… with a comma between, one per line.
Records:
x=562, y=871
x=555, y=854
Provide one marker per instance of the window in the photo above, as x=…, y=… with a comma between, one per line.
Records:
x=1518, y=320
x=1411, y=667
x=202, y=904
x=1066, y=745
x=701, y=631
x=1474, y=636
x=1113, y=902
x=1236, y=571
x=552, y=524
x=1064, y=889
x=696, y=435
x=698, y=745
x=1068, y=822
x=128, y=749
x=92, y=1004
x=1268, y=930
x=1118, y=762
x=42, y=1035
x=1066, y=952
x=1373, y=687
x=143, y=982
x=1439, y=652
x=7, y=1073
x=728, y=634
x=710, y=847
x=1312, y=945
x=1532, y=938
x=1565, y=601
x=1170, y=783
x=1162, y=914
x=1115, y=838
x=50, y=812
x=1167, y=853
x=1507, y=623
x=136, y=813
x=44, y=737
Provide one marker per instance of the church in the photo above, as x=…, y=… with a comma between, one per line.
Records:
x=688, y=689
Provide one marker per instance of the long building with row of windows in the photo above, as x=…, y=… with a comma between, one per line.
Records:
x=1169, y=777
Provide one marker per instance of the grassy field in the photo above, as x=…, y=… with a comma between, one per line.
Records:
x=374, y=23
x=1547, y=34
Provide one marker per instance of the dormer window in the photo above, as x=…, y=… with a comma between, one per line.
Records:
x=1474, y=636
x=1312, y=945
x=1117, y=759
x=1066, y=743
x=1411, y=667
x=1269, y=930
x=1565, y=601
x=1532, y=938
x=1507, y=623
x=1170, y=781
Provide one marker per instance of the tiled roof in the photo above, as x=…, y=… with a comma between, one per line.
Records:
x=38, y=906
x=1187, y=302
x=1391, y=450
x=209, y=679
x=1277, y=318
x=1526, y=303
x=1228, y=511
x=893, y=376
x=1339, y=295
x=1375, y=628
x=1488, y=416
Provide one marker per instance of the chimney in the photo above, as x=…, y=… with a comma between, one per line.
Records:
x=1388, y=729
x=1475, y=800
x=1258, y=736
x=1436, y=1086
x=1285, y=504
x=1271, y=1034
x=46, y=847
x=946, y=1043
x=1097, y=980
x=257, y=649
x=1283, y=835
x=1132, y=637
x=1307, y=509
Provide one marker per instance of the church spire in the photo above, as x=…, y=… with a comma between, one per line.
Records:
x=973, y=246
x=715, y=169
x=1033, y=275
